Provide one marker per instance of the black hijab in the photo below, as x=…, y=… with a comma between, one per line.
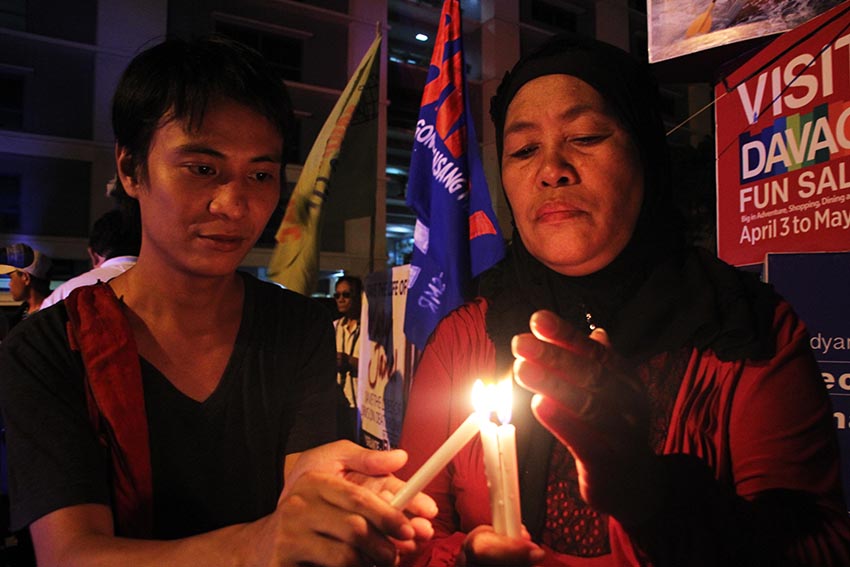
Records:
x=658, y=295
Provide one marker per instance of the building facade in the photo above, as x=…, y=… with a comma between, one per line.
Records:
x=60, y=62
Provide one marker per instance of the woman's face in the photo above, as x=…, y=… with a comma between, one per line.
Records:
x=572, y=175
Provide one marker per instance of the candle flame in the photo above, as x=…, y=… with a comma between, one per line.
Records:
x=481, y=399
x=493, y=398
x=504, y=399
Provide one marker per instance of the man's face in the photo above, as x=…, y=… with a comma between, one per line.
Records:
x=343, y=297
x=18, y=283
x=207, y=195
x=572, y=174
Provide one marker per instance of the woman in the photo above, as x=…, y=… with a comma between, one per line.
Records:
x=691, y=427
x=347, y=330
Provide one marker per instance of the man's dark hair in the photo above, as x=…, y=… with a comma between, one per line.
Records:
x=355, y=283
x=40, y=285
x=177, y=80
x=117, y=232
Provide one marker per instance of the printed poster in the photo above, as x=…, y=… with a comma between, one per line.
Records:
x=681, y=27
x=816, y=285
x=783, y=145
x=386, y=359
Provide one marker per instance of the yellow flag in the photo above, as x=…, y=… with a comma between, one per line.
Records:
x=295, y=260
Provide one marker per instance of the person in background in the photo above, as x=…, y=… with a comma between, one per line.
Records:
x=182, y=413
x=671, y=412
x=113, y=248
x=347, y=330
x=30, y=285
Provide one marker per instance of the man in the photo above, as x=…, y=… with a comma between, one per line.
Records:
x=30, y=285
x=200, y=397
x=347, y=336
x=113, y=249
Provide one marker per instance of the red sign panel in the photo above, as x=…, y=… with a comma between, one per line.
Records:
x=783, y=145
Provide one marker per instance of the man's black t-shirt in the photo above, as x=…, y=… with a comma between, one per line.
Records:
x=216, y=462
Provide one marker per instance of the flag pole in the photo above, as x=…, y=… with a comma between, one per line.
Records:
x=373, y=221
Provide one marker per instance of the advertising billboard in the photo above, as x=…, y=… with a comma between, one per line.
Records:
x=783, y=145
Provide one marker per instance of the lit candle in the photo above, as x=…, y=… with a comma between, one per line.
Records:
x=442, y=456
x=493, y=470
x=507, y=457
x=500, y=463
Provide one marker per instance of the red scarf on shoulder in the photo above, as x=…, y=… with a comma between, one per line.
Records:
x=99, y=329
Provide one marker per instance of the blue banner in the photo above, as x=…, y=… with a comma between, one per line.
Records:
x=456, y=235
x=815, y=284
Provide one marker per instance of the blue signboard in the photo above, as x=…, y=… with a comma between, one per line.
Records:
x=816, y=285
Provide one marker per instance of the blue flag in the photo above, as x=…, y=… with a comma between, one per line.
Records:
x=456, y=235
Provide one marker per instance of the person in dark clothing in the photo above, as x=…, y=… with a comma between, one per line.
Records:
x=671, y=412
x=179, y=413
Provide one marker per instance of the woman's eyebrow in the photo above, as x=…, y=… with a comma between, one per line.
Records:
x=568, y=114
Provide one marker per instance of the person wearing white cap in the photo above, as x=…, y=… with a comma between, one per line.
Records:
x=29, y=285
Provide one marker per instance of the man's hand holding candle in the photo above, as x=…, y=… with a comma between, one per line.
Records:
x=335, y=504
x=586, y=398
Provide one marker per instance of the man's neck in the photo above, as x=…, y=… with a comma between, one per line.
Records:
x=204, y=303
x=33, y=302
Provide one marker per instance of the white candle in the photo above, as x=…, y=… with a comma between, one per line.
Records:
x=438, y=461
x=500, y=463
x=510, y=481
x=493, y=470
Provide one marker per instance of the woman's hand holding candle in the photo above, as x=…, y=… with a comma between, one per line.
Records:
x=483, y=546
